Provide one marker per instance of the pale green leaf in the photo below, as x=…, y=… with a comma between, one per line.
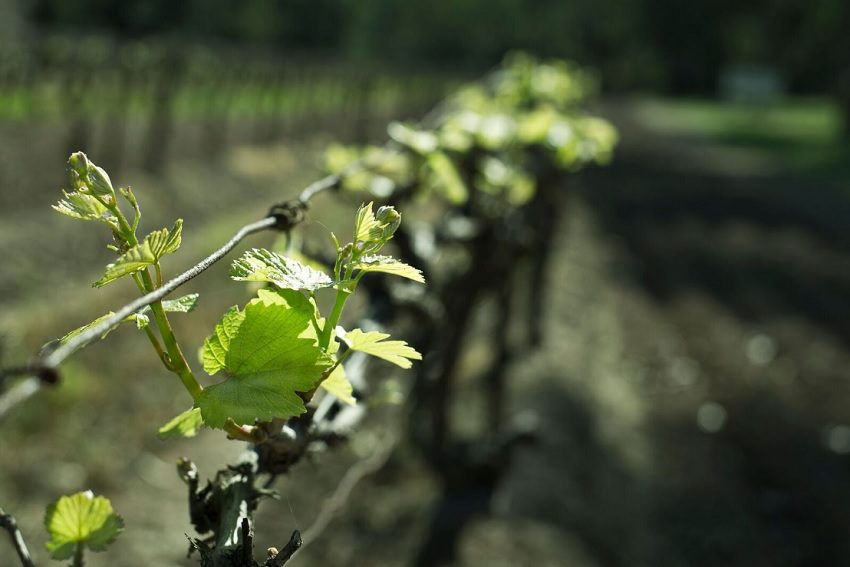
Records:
x=136, y=258
x=337, y=385
x=389, y=265
x=270, y=353
x=166, y=241
x=140, y=319
x=366, y=226
x=83, y=206
x=216, y=345
x=186, y=424
x=81, y=518
x=375, y=344
x=71, y=334
x=148, y=252
x=261, y=265
x=183, y=304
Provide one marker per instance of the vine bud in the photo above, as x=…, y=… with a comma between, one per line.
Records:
x=99, y=181
x=390, y=219
x=79, y=163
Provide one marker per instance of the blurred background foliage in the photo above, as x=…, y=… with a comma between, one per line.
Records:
x=649, y=44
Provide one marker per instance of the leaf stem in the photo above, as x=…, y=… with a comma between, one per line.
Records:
x=177, y=361
x=342, y=295
x=249, y=433
x=78, y=556
x=157, y=346
x=163, y=356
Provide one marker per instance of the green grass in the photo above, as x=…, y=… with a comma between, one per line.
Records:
x=47, y=98
x=803, y=134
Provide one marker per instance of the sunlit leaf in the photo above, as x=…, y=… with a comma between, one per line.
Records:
x=187, y=424
x=366, y=226
x=375, y=344
x=216, y=345
x=337, y=384
x=269, y=353
x=155, y=245
x=183, y=304
x=83, y=519
x=136, y=258
x=166, y=241
x=83, y=206
x=261, y=265
x=139, y=318
x=389, y=265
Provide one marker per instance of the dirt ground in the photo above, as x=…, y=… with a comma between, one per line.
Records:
x=691, y=394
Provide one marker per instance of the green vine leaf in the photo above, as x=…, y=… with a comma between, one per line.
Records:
x=366, y=226
x=374, y=343
x=140, y=319
x=148, y=252
x=187, y=424
x=215, y=349
x=337, y=385
x=81, y=519
x=270, y=353
x=84, y=206
x=373, y=230
x=136, y=258
x=261, y=265
x=389, y=265
x=184, y=304
x=164, y=241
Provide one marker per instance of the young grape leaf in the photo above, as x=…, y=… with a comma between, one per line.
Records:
x=261, y=265
x=136, y=258
x=186, y=424
x=83, y=206
x=141, y=322
x=366, y=226
x=79, y=519
x=155, y=245
x=269, y=352
x=215, y=346
x=389, y=265
x=183, y=304
x=372, y=342
x=337, y=384
x=164, y=241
